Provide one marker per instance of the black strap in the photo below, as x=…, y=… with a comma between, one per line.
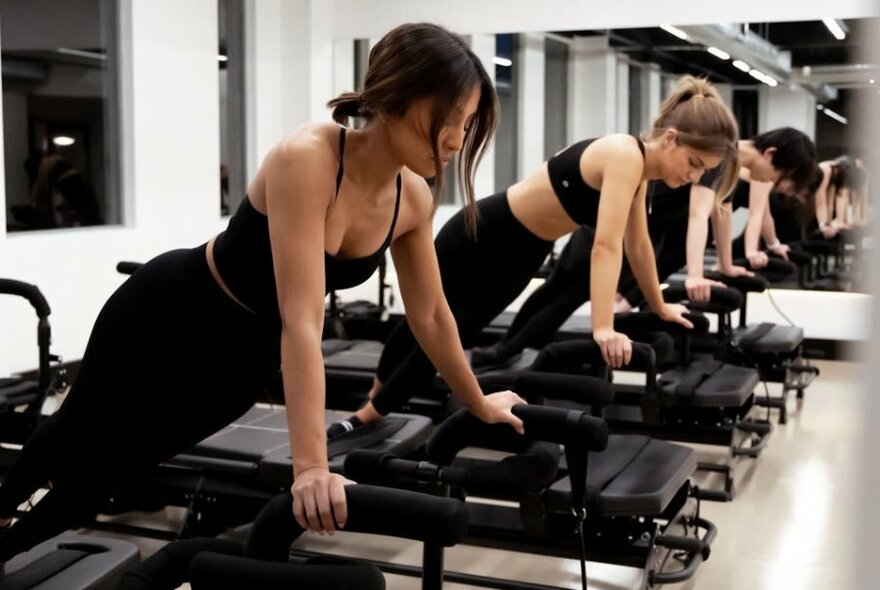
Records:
x=390, y=235
x=341, y=154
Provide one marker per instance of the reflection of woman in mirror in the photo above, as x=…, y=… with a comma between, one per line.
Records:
x=598, y=182
x=61, y=196
x=840, y=177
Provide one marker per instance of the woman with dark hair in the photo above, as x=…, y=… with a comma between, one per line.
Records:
x=599, y=183
x=187, y=343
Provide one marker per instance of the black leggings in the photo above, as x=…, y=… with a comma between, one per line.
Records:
x=481, y=276
x=670, y=250
x=171, y=360
x=565, y=290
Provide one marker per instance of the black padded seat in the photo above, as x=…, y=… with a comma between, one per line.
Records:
x=709, y=383
x=634, y=476
x=351, y=355
x=576, y=326
x=16, y=391
x=766, y=338
x=257, y=443
x=71, y=561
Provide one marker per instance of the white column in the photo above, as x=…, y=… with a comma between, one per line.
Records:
x=343, y=66
x=786, y=106
x=652, y=95
x=263, y=72
x=529, y=70
x=3, y=196
x=174, y=136
x=725, y=91
x=622, y=97
x=484, y=181
x=592, y=88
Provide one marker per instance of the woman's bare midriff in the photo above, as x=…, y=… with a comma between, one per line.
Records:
x=209, y=256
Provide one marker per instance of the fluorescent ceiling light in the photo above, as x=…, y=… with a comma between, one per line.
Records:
x=759, y=75
x=835, y=28
x=63, y=140
x=718, y=53
x=81, y=53
x=502, y=61
x=222, y=58
x=741, y=65
x=674, y=31
x=835, y=116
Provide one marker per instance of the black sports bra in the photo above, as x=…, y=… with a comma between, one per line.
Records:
x=243, y=255
x=580, y=200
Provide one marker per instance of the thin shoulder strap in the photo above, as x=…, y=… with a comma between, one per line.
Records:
x=341, y=154
x=641, y=144
x=396, y=210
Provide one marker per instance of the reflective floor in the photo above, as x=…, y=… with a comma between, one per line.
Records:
x=790, y=525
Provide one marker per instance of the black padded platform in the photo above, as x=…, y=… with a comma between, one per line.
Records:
x=14, y=392
x=71, y=561
x=258, y=444
x=634, y=476
x=709, y=383
x=355, y=355
x=768, y=338
x=576, y=326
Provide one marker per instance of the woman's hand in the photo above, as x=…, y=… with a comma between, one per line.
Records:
x=735, y=270
x=616, y=347
x=758, y=259
x=674, y=312
x=319, y=500
x=700, y=288
x=495, y=408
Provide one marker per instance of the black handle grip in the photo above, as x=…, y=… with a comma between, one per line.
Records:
x=128, y=268
x=30, y=292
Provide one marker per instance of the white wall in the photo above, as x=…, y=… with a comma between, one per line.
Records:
x=171, y=141
x=786, y=106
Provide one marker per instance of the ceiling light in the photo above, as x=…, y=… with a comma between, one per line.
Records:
x=63, y=140
x=871, y=81
x=741, y=65
x=835, y=116
x=502, y=61
x=718, y=53
x=674, y=31
x=82, y=53
x=835, y=28
x=222, y=58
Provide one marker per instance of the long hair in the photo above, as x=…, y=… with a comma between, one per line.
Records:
x=703, y=123
x=420, y=60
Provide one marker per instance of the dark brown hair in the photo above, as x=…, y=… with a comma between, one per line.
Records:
x=703, y=123
x=421, y=60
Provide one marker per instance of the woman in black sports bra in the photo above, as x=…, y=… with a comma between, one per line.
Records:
x=599, y=183
x=189, y=341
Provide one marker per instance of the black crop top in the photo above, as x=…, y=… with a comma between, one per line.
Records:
x=580, y=200
x=243, y=255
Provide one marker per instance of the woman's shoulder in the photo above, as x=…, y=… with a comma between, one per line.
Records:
x=315, y=141
x=618, y=149
x=416, y=192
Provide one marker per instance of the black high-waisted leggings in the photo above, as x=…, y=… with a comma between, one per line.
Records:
x=171, y=359
x=481, y=276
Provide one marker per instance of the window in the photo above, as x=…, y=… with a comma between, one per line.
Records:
x=60, y=114
x=230, y=59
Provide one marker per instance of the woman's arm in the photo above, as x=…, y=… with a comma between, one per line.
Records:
x=721, y=222
x=702, y=203
x=768, y=233
x=759, y=195
x=640, y=253
x=432, y=322
x=298, y=193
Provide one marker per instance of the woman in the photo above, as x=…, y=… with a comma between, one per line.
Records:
x=187, y=343
x=599, y=183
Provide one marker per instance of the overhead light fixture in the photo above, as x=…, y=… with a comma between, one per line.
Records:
x=718, y=53
x=81, y=53
x=222, y=57
x=741, y=65
x=872, y=81
x=762, y=77
x=837, y=117
x=502, y=61
x=835, y=28
x=674, y=31
x=63, y=140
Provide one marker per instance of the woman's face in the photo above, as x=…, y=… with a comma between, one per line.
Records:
x=411, y=133
x=762, y=168
x=681, y=164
